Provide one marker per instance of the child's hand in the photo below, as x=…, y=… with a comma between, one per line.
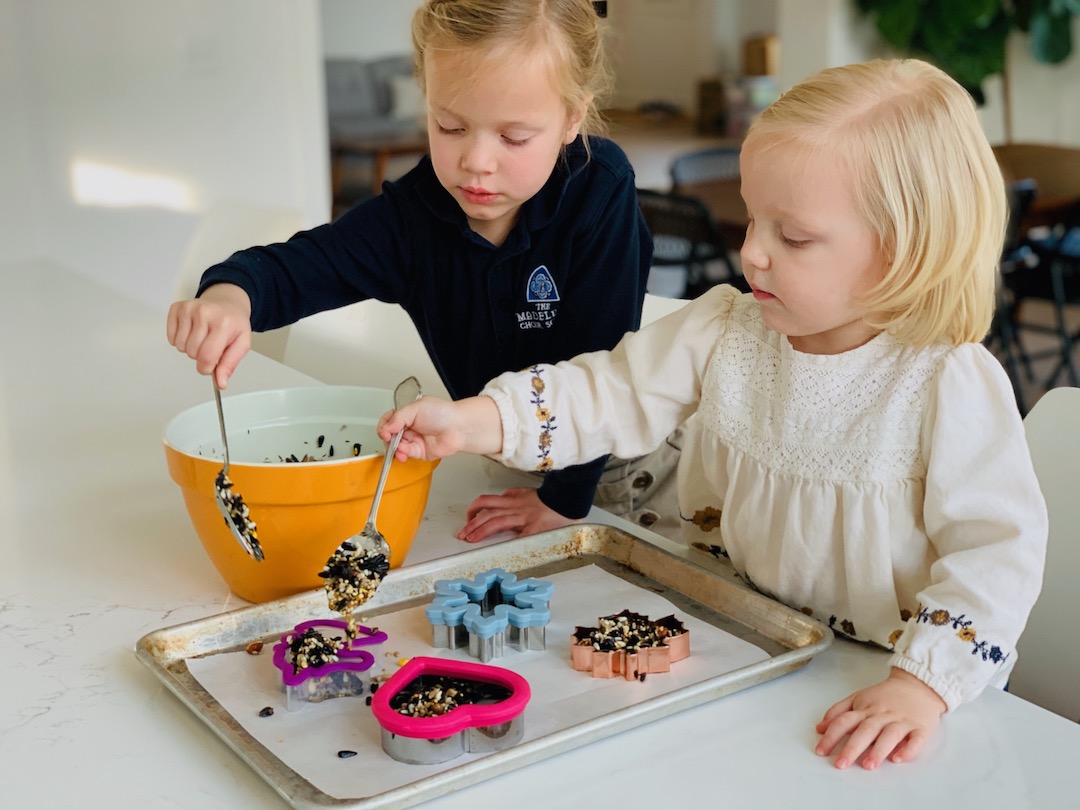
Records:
x=892, y=719
x=214, y=330
x=518, y=510
x=436, y=428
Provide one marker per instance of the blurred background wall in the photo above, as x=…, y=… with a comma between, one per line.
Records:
x=124, y=121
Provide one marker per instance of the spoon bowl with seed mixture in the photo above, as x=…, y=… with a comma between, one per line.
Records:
x=359, y=564
x=230, y=502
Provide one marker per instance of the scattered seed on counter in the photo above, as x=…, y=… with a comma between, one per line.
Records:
x=266, y=711
x=254, y=648
x=346, y=754
x=374, y=687
x=356, y=449
x=367, y=700
x=319, y=441
x=402, y=662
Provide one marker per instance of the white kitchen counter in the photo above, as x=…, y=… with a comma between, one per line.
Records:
x=96, y=550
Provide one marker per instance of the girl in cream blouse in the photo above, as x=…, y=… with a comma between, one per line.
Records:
x=851, y=445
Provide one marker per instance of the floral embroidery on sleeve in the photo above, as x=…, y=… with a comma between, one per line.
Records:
x=546, y=419
x=964, y=631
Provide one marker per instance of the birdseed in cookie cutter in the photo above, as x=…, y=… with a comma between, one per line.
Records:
x=433, y=710
x=330, y=667
x=629, y=644
x=490, y=610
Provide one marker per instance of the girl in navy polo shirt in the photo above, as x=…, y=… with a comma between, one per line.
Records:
x=518, y=241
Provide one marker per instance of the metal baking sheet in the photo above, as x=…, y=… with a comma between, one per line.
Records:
x=696, y=583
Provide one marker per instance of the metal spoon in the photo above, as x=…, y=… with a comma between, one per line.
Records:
x=359, y=564
x=229, y=501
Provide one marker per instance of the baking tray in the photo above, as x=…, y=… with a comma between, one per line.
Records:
x=694, y=581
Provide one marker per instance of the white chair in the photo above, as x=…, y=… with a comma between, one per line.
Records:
x=1047, y=669
x=225, y=228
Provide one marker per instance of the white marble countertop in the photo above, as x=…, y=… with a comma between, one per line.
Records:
x=96, y=550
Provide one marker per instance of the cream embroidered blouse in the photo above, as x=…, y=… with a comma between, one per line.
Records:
x=887, y=491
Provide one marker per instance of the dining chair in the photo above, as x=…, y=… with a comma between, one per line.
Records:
x=712, y=175
x=1051, y=276
x=1049, y=232
x=223, y=229
x=684, y=235
x=705, y=166
x=1017, y=258
x=1047, y=670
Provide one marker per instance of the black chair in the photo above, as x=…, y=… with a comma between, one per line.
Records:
x=1017, y=256
x=684, y=235
x=705, y=166
x=712, y=175
x=1046, y=267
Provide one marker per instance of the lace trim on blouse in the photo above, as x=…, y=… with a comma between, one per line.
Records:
x=853, y=417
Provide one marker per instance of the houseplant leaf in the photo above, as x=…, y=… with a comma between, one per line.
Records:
x=1051, y=36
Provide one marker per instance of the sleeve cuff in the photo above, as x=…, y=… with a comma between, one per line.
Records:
x=570, y=491
x=950, y=692
x=509, y=421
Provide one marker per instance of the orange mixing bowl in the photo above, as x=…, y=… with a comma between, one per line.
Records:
x=303, y=510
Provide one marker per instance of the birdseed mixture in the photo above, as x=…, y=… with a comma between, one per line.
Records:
x=312, y=649
x=628, y=632
x=328, y=452
x=432, y=696
x=238, y=513
x=351, y=578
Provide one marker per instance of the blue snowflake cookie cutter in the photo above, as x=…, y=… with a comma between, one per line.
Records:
x=490, y=611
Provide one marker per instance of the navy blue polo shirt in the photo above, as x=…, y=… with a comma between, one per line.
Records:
x=570, y=278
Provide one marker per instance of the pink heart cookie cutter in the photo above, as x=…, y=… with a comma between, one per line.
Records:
x=474, y=727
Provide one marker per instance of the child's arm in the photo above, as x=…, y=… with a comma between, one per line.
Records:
x=986, y=522
x=437, y=428
x=890, y=720
x=214, y=329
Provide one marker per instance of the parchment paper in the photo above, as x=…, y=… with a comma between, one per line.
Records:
x=308, y=739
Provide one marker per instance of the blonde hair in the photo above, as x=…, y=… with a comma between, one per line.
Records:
x=924, y=178
x=567, y=32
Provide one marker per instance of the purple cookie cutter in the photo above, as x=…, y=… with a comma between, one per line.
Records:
x=339, y=678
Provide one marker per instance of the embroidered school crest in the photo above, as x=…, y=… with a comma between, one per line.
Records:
x=542, y=294
x=541, y=286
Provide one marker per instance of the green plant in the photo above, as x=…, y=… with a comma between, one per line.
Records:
x=966, y=38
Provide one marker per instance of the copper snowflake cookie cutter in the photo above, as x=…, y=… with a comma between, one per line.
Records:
x=629, y=644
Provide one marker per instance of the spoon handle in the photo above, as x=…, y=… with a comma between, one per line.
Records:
x=387, y=461
x=221, y=422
